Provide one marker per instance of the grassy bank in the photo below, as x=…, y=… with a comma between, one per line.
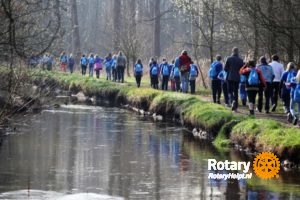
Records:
x=192, y=110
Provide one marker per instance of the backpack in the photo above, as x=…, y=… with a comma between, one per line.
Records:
x=296, y=96
x=253, y=78
x=64, y=59
x=154, y=70
x=289, y=80
x=108, y=64
x=91, y=60
x=193, y=71
x=165, y=70
x=71, y=61
x=176, y=72
x=243, y=79
x=212, y=73
x=222, y=75
x=138, y=69
x=83, y=61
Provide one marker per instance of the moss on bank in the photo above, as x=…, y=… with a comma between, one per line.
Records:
x=227, y=128
x=267, y=135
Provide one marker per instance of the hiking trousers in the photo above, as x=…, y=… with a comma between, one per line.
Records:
x=233, y=93
x=216, y=90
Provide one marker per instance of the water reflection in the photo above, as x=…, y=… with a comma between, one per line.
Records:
x=80, y=149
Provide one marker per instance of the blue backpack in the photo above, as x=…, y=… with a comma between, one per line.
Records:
x=165, y=70
x=243, y=79
x=289, y=80
x=64, y=59
x=176, y=71
x=193, y=71
x=154, y=70
x=296, y=96
x=138, y=69
x=91, y=60
x=84, y=61
x=253, y=78
x=212, y=73
x=108, y=64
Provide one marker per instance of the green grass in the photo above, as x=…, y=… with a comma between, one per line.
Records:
x=266, y=134
x=195, y=110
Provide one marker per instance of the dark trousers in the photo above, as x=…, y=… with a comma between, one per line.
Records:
x=164, y=84
x=268, y=94
x=193, y=86
x=138, y=79
x=286, y=98
x=177, y=83
x=216, y=90
x=114, y=74
x=97, y=73
x=275, y=94
x=83, y=69
x=251, y=96
x=233, y=93
x=71, y=68
x=225, y=92
x=154, y=81
x=120, y=72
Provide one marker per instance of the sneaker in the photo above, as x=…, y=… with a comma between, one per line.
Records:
x=267, y=112
x=233, y=106
x=295, y=120
x=289, y=117
x=273, y=108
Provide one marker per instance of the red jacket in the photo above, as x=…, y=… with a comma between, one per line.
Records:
x=184, y=59
x=245, y=70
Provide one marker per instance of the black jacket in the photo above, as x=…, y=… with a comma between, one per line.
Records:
x=232, y=66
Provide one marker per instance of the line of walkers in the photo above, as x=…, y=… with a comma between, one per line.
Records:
x=267, y=80
x=114, y=65
x=182, y=73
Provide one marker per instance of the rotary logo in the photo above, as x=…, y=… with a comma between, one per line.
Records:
x=266, y=165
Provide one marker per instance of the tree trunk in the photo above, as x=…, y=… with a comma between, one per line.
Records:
x=75, y=28
x=157, y=29
x=117, y=24
x=272, y=32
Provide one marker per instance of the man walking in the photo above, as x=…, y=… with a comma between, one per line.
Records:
x=232, y=67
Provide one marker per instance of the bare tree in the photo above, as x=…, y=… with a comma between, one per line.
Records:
x=76, y=37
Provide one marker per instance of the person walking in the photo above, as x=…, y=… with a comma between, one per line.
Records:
x=91, y=65
x=71, y=63
x=175, y=74
x=254, y=79
x=278, y=72
x=232, y=67
x=193, y=74
x=121, y=65
x=138, y=72
x=268, y=74
x=154, y=73
x=98, y=65
x=63, y=61
x=184, y=65
x=215, y=68
x=222, y=76
x=108, y=61
x=83, y=62
x=165, y=73
x=296, y=99
x=285, y=85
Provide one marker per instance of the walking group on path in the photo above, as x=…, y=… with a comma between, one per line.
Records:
x=236, y=78
x=248, y=79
